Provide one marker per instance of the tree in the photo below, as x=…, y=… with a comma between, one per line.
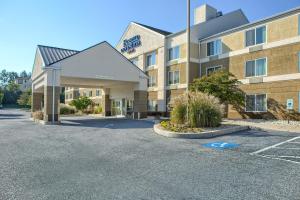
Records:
x=82, y=103
x=1, y=96
x=11, y=93
x=7, y=77
x=223, y=85
x=25, y=99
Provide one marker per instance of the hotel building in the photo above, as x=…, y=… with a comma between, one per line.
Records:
x=263, y=55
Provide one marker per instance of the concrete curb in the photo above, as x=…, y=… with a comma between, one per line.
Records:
x=205, y=135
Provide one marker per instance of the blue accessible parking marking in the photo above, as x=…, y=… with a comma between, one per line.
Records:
x=221, y=145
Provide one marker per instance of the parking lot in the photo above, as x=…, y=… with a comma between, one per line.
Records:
x=87, y=158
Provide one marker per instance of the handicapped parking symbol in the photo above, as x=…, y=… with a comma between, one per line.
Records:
x=221, y=145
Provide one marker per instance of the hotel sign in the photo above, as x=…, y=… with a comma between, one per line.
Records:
x=130, y=44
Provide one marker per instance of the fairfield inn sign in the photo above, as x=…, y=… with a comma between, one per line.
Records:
x=130, y=44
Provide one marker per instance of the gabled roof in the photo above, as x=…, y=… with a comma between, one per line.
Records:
x=162, y=32
x=53, y=54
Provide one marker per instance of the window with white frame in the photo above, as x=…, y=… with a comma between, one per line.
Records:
x=256, y=67
x=174, y=53
x=256, y=36
x=152, y=81
x=135, y=61
x=152, y=105
x=173, y=77
x=214, y=48
x=71, y=96
x=150, y=59
x=98, y=93
x=90, y=93
x=211, y=70
x=256, y=103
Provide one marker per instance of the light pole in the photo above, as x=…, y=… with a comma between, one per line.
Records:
x=188, y=42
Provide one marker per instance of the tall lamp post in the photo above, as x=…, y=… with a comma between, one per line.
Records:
x=188, y=38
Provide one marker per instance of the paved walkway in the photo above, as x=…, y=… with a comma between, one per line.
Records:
x=276, y=125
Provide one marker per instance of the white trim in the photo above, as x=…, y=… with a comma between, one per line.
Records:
x=265, y=46
x=267, y=79
x=255, y=60
x=173, y=74
x=254, y=28
x=256, y=94
x=178, y=86
x=168, y=53
x=182, y=60
x=217, y=53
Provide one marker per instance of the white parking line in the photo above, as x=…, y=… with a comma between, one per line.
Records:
x=280, y=157
x=277, y=158
x=275, y=145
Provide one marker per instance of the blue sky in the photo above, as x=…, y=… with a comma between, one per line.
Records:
x=77, y=24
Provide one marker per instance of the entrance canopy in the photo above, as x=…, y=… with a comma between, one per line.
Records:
x=100, y=66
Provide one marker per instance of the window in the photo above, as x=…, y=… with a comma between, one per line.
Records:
x=152, y=106
x=71, y=96
x=214, y=48
x=256, y=67
x=98, y=93
x=152, y=81
x=256, y=103
x=84, y=94
x=151, y=59
x=174, y=53
x=135, y=61
x=173, y=77
x=256, y=36
x=90, y=93
x=210, y=70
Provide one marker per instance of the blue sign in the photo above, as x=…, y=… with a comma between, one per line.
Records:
x=221, y=145
x=130, y=44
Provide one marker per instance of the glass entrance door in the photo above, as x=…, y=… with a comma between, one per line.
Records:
x=116, y=107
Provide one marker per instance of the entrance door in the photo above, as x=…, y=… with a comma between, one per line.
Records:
x=116, y=107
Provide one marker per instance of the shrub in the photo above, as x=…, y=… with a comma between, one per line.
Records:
x=38, y=115
x=82, y=103
x=97, y=110
x=178, y=114
x=66, y=110
x=25, y=99
x=203, y=110
x=1, y=97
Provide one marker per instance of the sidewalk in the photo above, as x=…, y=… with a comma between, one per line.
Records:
x=276, y=125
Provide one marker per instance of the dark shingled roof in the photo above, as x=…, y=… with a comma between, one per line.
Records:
x=53, y=54
x=165, y=33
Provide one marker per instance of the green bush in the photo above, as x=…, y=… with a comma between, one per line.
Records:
x=66, y=110
x=82, y=103
x=203, y=110
x=97, y=110
x=25, y=99
x=178, y=113
x=1, y=97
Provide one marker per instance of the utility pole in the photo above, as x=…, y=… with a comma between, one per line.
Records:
x=188, y=38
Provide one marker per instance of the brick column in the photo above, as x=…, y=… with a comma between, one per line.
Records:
x=48, y=101
x=36, y=101
x=140, y=104
x=106, y=105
